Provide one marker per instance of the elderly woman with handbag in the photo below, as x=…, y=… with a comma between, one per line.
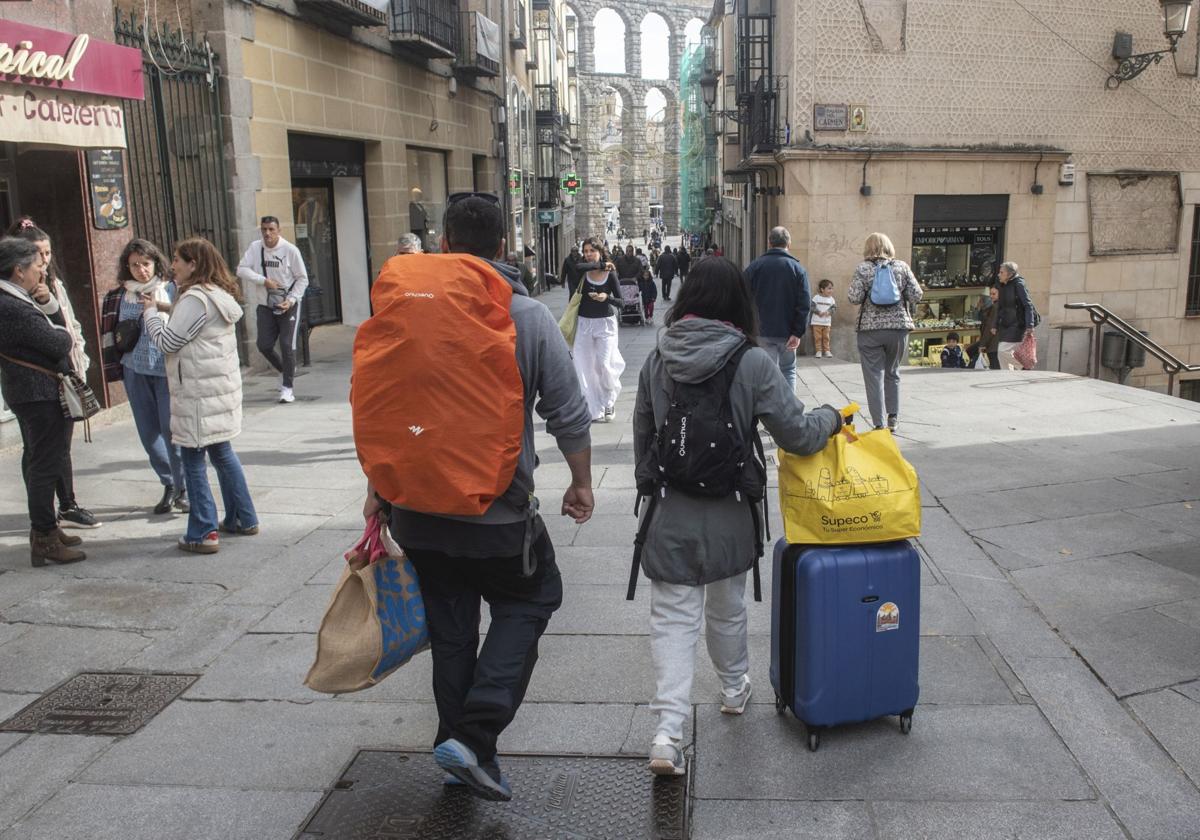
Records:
x=205, y=378
x=35, y=350
x=130, y=357
x=70, y=514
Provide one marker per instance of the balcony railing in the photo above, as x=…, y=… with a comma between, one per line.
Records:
x=345, y=11
x=548, y=192
x=763, y=116
x=546, y=104
x=518, y=35
x=478, y=46
x=425, y=28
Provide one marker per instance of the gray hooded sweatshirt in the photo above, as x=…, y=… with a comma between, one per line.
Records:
x=693, y=540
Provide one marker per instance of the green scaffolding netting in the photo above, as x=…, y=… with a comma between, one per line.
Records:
x=697, y=146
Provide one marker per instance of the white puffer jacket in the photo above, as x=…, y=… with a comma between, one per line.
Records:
x=205, y=377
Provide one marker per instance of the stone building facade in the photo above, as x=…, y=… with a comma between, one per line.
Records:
x=636, y=160
x=970, y=116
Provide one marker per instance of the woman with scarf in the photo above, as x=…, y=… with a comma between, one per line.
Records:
x=70, y=514
x=35, y=346
x=131, y=357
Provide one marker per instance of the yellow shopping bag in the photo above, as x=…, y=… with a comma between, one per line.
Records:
x=858, y=489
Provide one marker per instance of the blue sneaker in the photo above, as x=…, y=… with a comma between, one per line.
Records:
x=459, y=760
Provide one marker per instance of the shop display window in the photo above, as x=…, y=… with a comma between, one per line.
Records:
x=955, y=266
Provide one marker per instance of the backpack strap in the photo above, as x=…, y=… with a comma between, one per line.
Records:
x=639, y=542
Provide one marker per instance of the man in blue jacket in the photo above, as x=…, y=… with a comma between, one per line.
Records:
x=779, y=285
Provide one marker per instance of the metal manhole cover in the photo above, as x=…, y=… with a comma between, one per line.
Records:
x=100, y=704
x=400, y=795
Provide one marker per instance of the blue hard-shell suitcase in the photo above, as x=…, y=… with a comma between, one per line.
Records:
x=845, y=633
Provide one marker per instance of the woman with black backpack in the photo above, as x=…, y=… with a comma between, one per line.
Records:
x=1016, y=315
x=702, y=481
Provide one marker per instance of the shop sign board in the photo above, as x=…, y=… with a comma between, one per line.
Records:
x=106, y=183
x=552, y=218
x=60, y=61
x=37, y=115
x=831, y=118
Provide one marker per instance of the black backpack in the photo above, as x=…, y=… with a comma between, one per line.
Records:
x=698, y=451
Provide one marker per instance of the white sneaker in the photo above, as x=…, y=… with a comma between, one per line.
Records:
x=735, y=703
x=610, y=414
x=666, y=757
x=286, y=395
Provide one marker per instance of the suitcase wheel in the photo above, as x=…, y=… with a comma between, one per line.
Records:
x=814, y=740
x=780, y=705
x=906, y=722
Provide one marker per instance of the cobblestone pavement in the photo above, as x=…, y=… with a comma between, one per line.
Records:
x=1060, y=671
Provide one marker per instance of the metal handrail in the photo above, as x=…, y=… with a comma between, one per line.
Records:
x=1101, y=315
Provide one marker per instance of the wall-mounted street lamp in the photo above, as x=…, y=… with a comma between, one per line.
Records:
x=709, y=80
x=1176, y=17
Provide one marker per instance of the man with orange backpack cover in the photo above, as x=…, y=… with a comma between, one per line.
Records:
x=447, y=375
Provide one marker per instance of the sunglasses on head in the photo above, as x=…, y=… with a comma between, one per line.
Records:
x=491, y=198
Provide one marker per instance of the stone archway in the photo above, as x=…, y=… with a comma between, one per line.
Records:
x=635, y=202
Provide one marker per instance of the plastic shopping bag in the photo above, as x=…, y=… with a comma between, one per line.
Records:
x=376, y=620
x=858, y=489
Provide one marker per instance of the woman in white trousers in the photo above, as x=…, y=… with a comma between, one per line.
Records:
x=598, y=360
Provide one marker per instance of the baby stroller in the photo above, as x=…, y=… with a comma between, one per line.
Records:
x=632, y=311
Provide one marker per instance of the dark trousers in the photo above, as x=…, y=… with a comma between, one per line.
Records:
x=666, y=284
x=65, y=489
x=478, y=690
x=993, y=357
x=44, y=459
x=279, y=328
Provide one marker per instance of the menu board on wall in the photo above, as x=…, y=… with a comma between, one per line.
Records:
x=106, y=183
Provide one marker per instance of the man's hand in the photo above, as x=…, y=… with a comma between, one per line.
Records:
x=41, y=293
x=270, y=284
x=793, y=342
x=372, y=506
x=286, y=304
x=578, y=503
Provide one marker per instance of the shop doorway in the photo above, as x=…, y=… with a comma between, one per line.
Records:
x=329, y=209
x=316, y=237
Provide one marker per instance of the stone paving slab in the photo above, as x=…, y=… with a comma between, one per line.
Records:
x=1084, y=590
x=260, y=667
x=1014, y=754
x=995, y=821
x=192, y=646
x=1174, y=720
x=1186, y=612
x=1138, y=651
x=731, y=819
x=46, y=655
x=1080, y=537
x=111, y=812
x=259, y=746
x=32, y=771
x=1147, y=790
x=115, y=604
x=1179, y=516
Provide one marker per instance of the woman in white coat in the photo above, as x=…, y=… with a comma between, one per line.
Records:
x=205, y=380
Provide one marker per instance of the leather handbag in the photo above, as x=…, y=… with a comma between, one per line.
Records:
x=126, y=335
x=77, y=399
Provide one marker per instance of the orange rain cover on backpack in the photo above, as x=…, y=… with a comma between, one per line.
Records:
x=436, y=394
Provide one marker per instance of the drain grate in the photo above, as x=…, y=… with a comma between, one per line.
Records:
x=399, y=795
x=100, y=704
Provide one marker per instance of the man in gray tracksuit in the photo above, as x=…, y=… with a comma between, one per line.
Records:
x=273, y=272
x=505, y=556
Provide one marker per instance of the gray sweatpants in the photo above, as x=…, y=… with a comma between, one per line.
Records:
x=880, y=352
x=675, y=618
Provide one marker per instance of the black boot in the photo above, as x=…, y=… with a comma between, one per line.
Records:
x=164, y=504
x=180, y=502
